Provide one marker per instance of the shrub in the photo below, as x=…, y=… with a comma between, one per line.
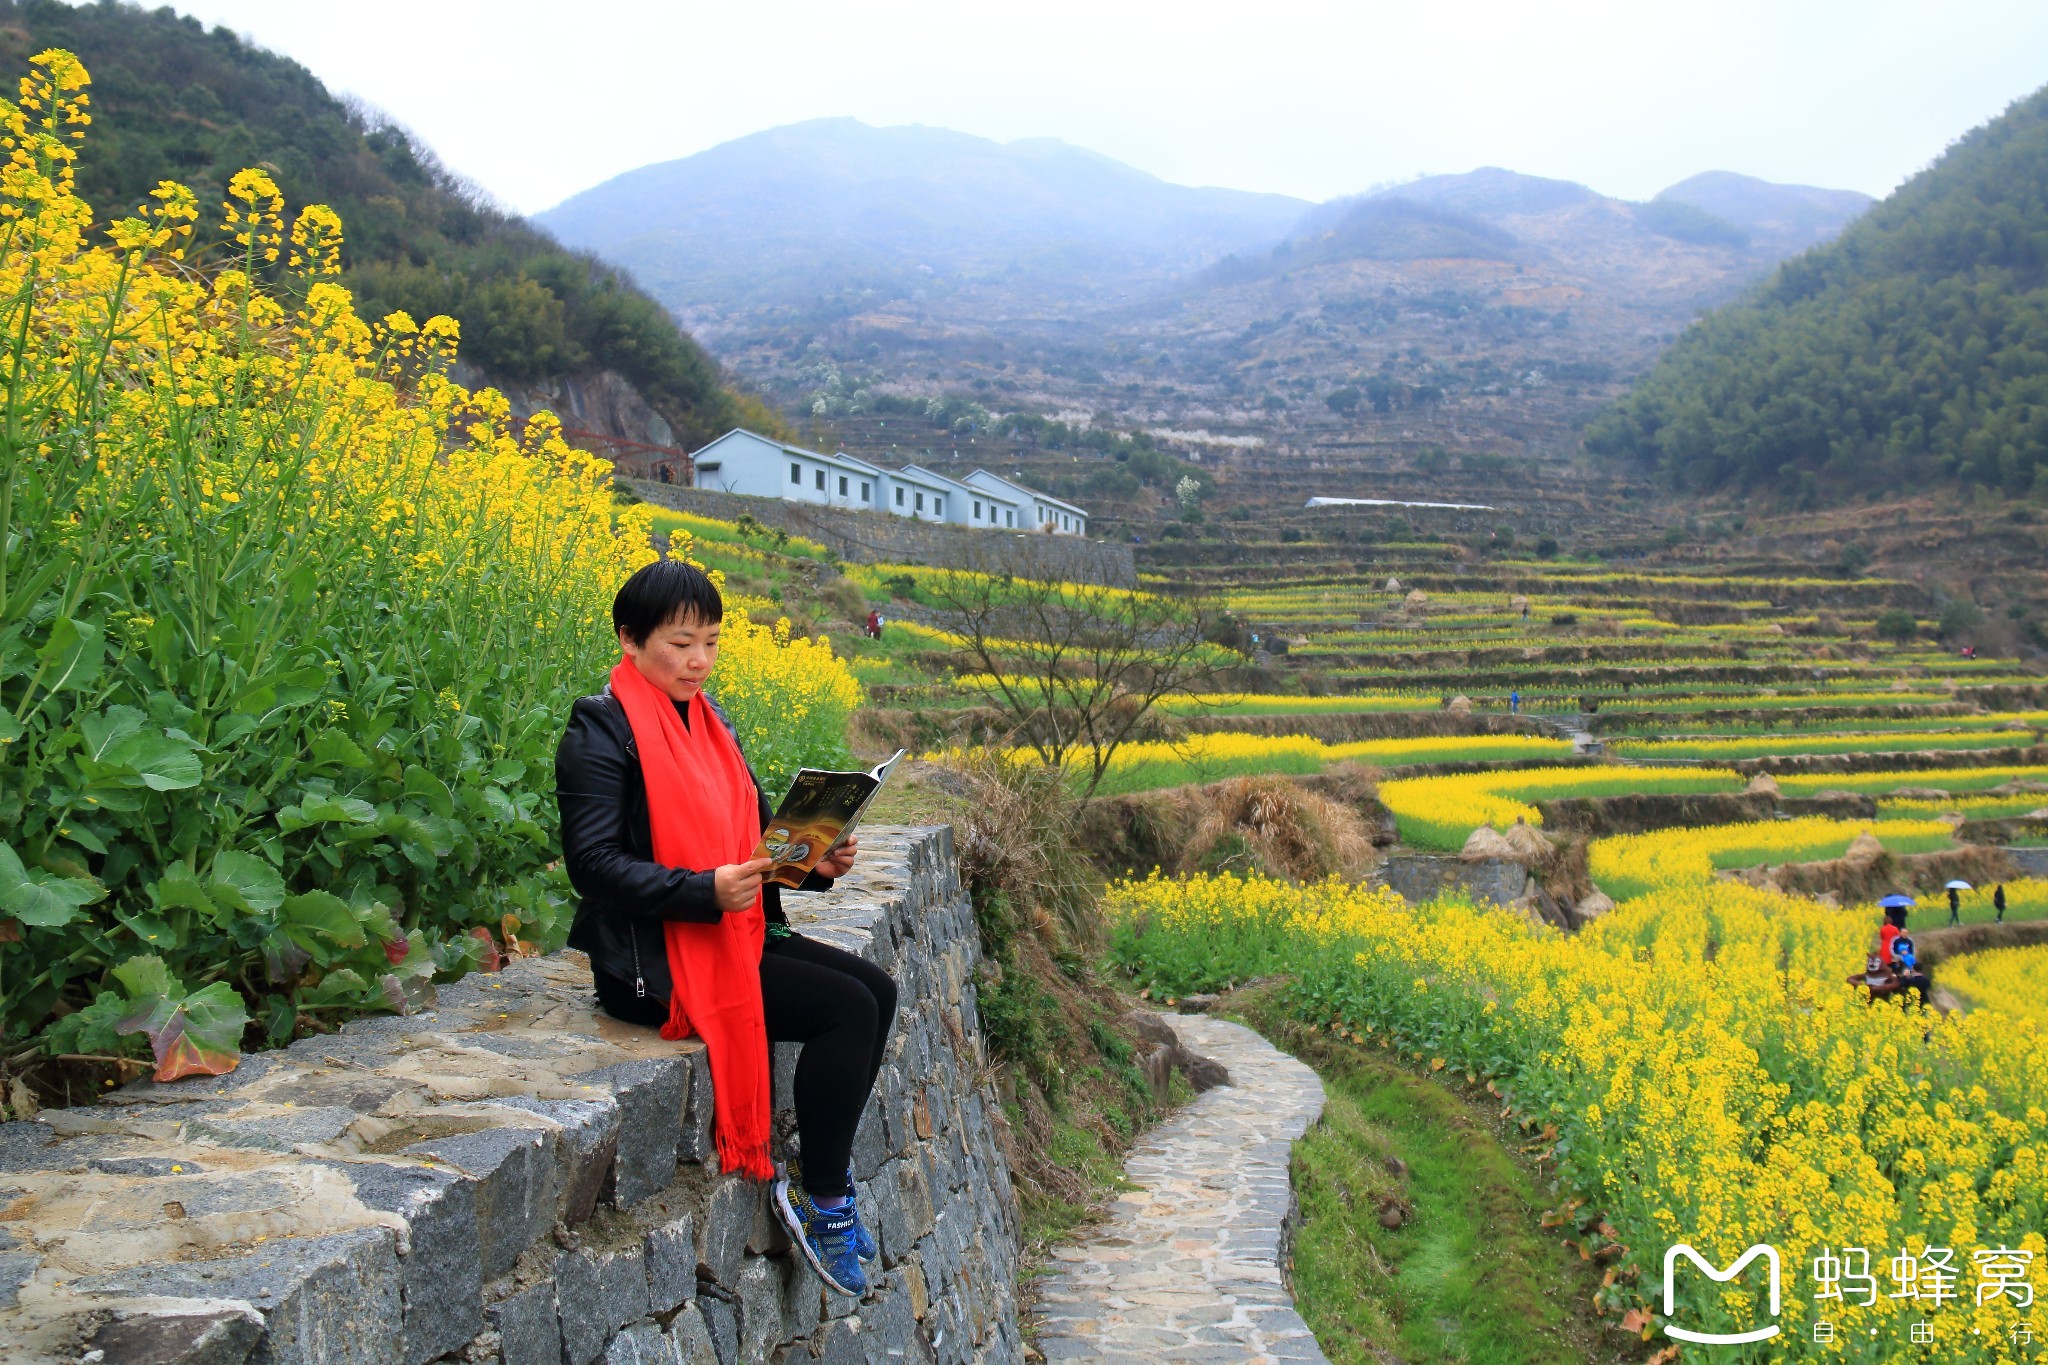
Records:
x=1896, y=623
x=1958, y=617
x=292, y=623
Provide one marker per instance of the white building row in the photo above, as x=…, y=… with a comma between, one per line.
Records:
x=745, y=462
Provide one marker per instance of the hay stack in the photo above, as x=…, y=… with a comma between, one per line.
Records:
x=1594, y=904
x=1460, y=705
x=1485, y=843
x=1518, y=603
x=1530, y=847
x=1863, y=851
x=1763, y=784
x=1272, y=825
x=1416, y=600
x=1393, y=584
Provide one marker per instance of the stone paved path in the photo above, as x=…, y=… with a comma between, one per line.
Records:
x=1187, y=1267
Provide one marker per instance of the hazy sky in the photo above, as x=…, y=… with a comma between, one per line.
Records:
x=535, y=101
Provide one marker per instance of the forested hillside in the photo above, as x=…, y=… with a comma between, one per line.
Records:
x=1913, y=349
x=172, y=100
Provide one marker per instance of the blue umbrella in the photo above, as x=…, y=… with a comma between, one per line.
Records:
x=1895, y=901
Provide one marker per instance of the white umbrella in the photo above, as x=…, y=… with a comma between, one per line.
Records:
x=1958, y=885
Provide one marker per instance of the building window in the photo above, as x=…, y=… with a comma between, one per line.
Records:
x=863, y=490
x=796, y=474
x=920, y=502
x=821, y=480
x=1009, y=517
x=977, y=509
x=899, y=497
x=842, y=485
x=938, y=507
x=1065, y=525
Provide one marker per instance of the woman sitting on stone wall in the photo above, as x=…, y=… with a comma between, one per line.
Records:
x=660, y=818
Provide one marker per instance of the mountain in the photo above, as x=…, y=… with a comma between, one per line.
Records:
x=1489, y=311
x=834, y=204
x=1780, y=219
x=1912, y=349
x=849, y=270
x=1495, y=214
x=171, y=100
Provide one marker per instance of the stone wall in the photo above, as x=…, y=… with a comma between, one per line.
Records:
x=881, y=538
x=1424, y=876
x=510, y=1176
x=2032, y=862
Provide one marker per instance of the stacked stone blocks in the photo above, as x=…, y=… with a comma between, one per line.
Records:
x=511, y=1176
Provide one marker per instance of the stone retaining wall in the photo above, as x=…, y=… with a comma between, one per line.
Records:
x=1419, y=877
x=511, y=1176
x=882, y=538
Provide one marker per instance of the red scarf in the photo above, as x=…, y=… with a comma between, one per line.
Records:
x=704, y=812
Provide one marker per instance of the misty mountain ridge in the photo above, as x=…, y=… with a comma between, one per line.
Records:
x=1781, y=220
x=781, y=214
x=833, y=215
x=1497, y=214
x=1486, y=310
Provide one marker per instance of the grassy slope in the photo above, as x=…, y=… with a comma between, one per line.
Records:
x=1470, y=1277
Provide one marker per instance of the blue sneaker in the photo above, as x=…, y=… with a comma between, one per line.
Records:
x=863, y=1241
x=825, y=1238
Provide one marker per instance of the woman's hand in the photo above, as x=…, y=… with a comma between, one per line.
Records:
x=735, y=885
x=838, y=860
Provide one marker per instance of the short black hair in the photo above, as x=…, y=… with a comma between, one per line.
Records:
x=666, y=590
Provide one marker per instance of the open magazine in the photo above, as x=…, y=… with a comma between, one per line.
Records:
x=820, y=810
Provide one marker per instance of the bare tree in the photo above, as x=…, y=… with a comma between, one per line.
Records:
x=1079, y=665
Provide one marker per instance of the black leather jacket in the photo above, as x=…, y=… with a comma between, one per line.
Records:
x=608, y=848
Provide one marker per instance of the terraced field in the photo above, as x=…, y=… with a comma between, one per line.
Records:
x=1629, y=826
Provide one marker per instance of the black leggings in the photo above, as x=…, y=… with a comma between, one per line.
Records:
x=840, y=1007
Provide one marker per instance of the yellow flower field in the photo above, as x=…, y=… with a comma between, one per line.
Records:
x=2011, y=981
x=1439, y=812
x=294, y=622
x=1626, y=865
x=1150, y=764
x=1761, y=746
x=1272, y=704
x=1938, y=779
x=1212, y=757
x=1693, y=1065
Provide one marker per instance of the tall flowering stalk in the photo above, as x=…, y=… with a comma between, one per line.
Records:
x=289, y=623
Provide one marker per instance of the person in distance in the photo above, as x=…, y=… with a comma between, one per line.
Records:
x=660, y=818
